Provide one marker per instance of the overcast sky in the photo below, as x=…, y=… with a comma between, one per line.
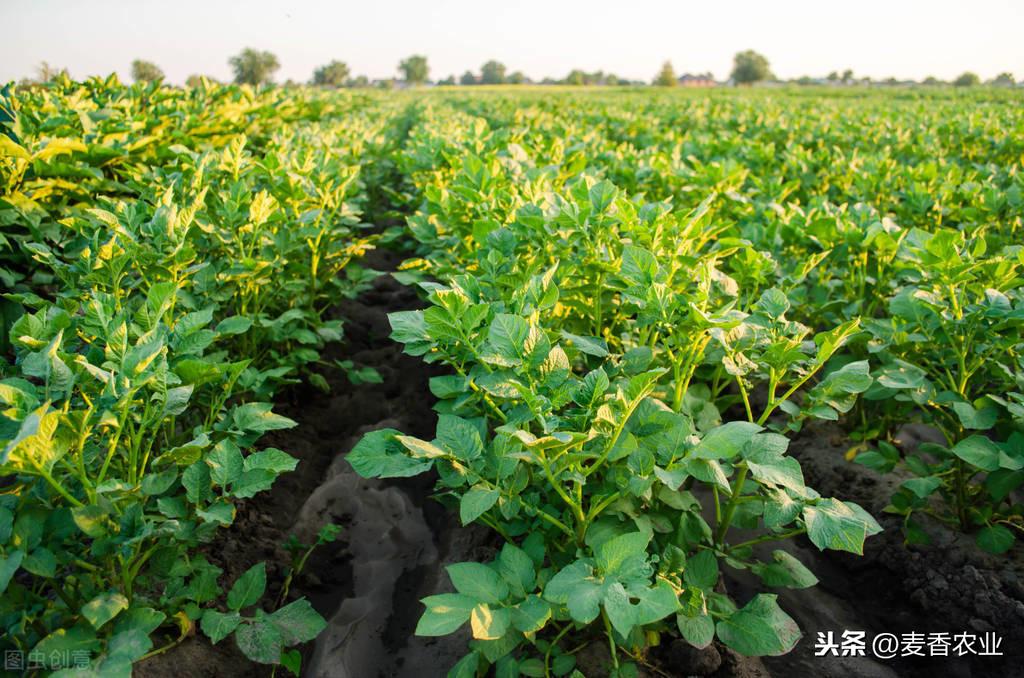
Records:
x=877, y=38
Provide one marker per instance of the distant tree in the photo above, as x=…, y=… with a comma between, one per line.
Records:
x=492, y=73
x=468, y=78
x=666, y=77
x=415, y=69
x=450, y=80
x=333, y=74
x=517, y=78
x=47, y=73
x=359, y=81
x=805, y=80
x=576, y=77
x=386, y=83
x=931, y=80
x=196, y=80
x=611, y=80
x=833, y=76
x=146, y=71
x=253, y=66
x=848, y=75
x=1004, y=80
x=749, y=67
x=967, y=79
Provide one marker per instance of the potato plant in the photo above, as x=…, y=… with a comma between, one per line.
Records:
x=155, y=322
x=595, y=343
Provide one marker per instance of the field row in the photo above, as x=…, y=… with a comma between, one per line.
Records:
x=638, y=300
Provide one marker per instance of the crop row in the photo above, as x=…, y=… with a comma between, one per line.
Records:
x=640, y=299
x=168, y=257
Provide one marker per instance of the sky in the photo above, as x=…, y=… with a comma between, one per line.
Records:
x=906, y=39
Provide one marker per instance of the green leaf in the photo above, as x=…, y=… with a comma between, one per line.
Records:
x=623, y=555
x=786, y=572
x=156, y=483
x=218, y=625
x=995, y=539
x=248, y=588
x=63, y=642
x=236, y=324
x=655, y=603
x=91, y=519
x=270, y=459
x=258, y=418
x=130, y=645
x=297, y=622
x=260, y=641
x=922, y=487
x=621, y=612
x=177, y=400
x=831, y=524
x=506, y=340
x=978, y=451
x=594, y=346
x=702, y=570
x=575, y=587
x=530, y=615
x=478, y=581
x=726, y=441
x=41, y=562
x=292, y=660
x=251, y=483
x=225, y=462
x=196, y=481
x=476, y=502
x=460, y=437
x=516, y=568
x=773, y=303
x=421, y=448
x=444, y=614
x=978, y=420
x=466, y=667
x=381, y=455
x=103, y=608
x=759, y=629
x=770, y=467
x=8, y=566
x=698, y=631
x=144, y=619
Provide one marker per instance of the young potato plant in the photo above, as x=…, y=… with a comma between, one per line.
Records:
x=263, y=637
x=951, y=358
x=585, y=452
x=162, y=292
x=114, y=477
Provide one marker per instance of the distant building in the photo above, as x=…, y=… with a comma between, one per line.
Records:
x=701, y=80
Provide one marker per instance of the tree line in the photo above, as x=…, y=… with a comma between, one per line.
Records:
x=258, y=67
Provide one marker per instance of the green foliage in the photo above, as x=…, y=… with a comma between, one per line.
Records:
x=967, y=79
x=415, y=69
x=146, y=71
x=749, y=67
x=253, y=66
x=333, y=74
x=492, y=73
x=262, y=637
x=144, y=343
x=666, y=76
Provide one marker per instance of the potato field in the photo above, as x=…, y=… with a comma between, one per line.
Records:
x=510, y=382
